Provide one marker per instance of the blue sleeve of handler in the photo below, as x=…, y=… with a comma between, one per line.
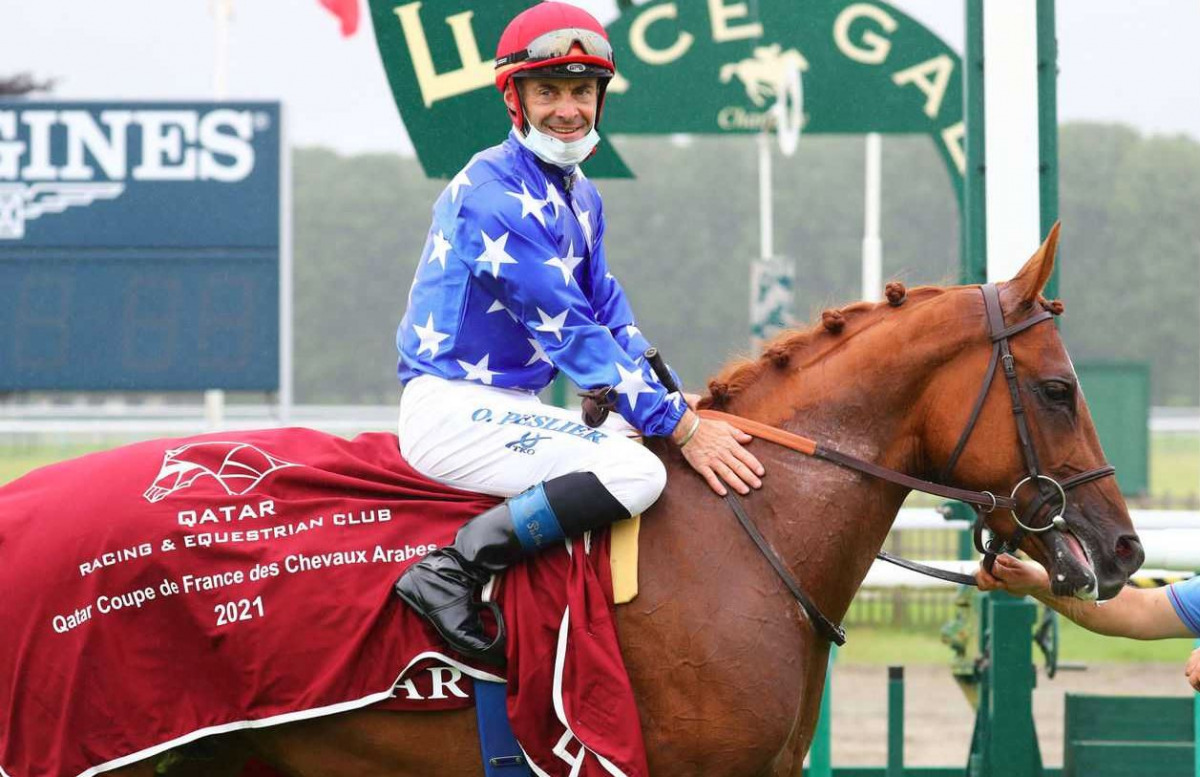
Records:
x=507, y=254
x=1185, y=598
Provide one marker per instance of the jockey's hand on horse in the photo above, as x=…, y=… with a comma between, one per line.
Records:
x=715, y=451
x=1019, y=578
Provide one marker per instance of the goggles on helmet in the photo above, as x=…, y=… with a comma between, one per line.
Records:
x=558, y=44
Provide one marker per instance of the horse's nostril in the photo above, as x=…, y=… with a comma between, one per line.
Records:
x=1129, y=547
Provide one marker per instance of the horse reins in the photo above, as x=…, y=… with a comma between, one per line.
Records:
x=984, y=502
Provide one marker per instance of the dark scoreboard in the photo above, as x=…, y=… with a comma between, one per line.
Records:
x=140, y=246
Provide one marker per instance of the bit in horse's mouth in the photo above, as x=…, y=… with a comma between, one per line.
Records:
x=1074, y=573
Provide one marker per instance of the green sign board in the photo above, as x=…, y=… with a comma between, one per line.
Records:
x=1118, y=396
x=684, y=66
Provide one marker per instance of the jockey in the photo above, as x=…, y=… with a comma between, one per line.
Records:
x=512, y=287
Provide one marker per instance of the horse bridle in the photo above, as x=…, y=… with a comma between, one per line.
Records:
x=984, y=502
x=1048, y=487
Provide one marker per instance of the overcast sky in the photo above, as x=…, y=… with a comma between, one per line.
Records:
x=1120, y=60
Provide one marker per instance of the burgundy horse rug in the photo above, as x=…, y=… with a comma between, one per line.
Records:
x=166, y=591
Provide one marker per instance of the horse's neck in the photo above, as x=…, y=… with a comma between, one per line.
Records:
x=837, y=519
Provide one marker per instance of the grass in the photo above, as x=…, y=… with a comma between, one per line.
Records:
x=879, y=646
x=18, y=460
x=1175, y=465
x=1174, y=471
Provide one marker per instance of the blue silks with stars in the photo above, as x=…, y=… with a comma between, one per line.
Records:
x=512, y=287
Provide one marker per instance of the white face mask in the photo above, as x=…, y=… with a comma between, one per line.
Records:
x=558, y=152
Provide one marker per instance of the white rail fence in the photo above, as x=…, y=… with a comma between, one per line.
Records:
x=1171, y=539
x=117, y=416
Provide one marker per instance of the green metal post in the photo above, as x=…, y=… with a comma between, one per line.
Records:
x=1012, y=750
x=974, y=258
x=961, y=511
x=559, y=390
x=895, y=736
x=966, y=545
x=1047, y=46
x=977, y=761
x=820, y=755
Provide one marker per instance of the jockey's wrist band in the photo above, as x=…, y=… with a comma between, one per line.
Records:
x=691, y=433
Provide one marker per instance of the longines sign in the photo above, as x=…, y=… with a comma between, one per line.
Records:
x=697, y=66
x=139, y=245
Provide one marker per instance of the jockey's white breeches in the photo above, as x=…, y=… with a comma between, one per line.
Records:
x=502, y=441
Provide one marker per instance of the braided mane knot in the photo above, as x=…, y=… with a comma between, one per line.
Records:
x=896, y=293
x=718, y=394
x=1056, y=306
x=833, y=320
x=779, y=354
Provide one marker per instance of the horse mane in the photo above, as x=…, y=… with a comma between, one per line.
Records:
x=781, y=351
x=817, y=340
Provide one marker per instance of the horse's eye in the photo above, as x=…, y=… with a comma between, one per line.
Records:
x=1056, y=391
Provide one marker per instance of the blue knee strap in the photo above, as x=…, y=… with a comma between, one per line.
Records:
x=537, y=525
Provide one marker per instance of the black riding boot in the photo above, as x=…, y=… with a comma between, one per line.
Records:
x=443, y=586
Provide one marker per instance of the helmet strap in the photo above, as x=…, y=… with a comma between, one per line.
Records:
x=601, y=91
x=518, y=115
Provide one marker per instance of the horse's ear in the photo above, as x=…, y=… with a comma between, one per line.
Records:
x=1029, y=282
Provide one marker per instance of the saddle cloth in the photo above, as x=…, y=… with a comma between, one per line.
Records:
x=165, y=591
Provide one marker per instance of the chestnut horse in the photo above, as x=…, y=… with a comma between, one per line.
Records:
x=727, y=670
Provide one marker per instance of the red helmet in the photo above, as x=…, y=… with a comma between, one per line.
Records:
x=541, y=38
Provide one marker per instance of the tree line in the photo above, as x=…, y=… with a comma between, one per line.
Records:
x=681, y=236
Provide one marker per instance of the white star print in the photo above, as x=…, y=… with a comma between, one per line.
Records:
x=539, y=354
x=552, y=324
x=632, y=330
x=585, y=222
x=530, y=204
x=497, y=307
x=478, y=371
x=440, y=247
x=494, y=253
x=458, y=182
x=554, y=198
x=430, y=338
x=566, y=264
x=632, y=385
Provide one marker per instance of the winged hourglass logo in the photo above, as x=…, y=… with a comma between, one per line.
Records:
x=236, y=466
x=21, y=203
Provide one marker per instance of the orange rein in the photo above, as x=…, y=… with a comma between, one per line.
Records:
x=763, y=431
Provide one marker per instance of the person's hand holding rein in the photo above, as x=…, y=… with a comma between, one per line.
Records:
x=714, y=449
x=1017, y=577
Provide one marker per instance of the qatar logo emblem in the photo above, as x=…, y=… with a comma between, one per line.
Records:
x=237, y=466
